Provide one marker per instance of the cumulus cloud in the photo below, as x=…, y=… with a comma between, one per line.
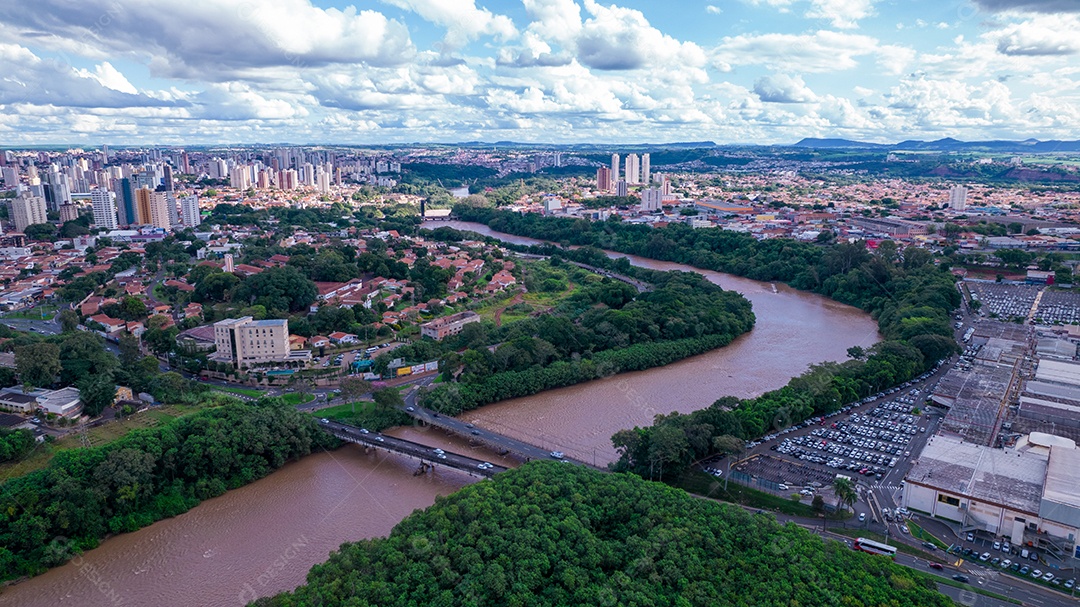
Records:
x=821, y=51
x=844, y=14
x=1040, y=37
x=557, y=20
x=27, y=78
x=463, y=20
x=782, y=88
x=210, y=38
x=617, y=38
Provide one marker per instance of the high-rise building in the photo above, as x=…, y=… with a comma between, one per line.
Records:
x=645, y=169
x=143, y=204
x=651, y=200
x=27, y=211
x=322, y=182
x=603, y=179
x=126, y=200
x=10, y=175
x=621, y=189
x=160, y=216
x=167, y=178
x=288, y=179
x=69, y=212
x=958, y=198
x=240, y=177
x=189, y=211
x=615, y=167
x=185, y=163
x=633, y=169
x=309, y=175
x=104, y=204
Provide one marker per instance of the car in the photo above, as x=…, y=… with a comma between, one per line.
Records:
x=1015, y=566
x=380, y=439
x=410, y=409
x=929, y=546
x=469, y=425
x=903, y=529
x=557, y=454
x=1036, y=573
x=971, y=537
x=984, y=557
x=437, y=451
x=441, y=455
x=1069, y=583
x=960, y=578
x=363, y=430
x=1006, y=547
x=36, y=420
x=862, y=516
x=1048, y=577
x=1034, y=556
x=1024, y=570
x=994, y=561
x=1006, y=564
x=475, y=432
x=937, y=566
x=997, y=545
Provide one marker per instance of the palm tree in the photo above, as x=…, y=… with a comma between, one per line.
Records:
x=845, y=492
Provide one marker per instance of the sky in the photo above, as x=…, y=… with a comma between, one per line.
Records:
x=174, y=72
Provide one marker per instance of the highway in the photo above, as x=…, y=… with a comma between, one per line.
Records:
x=405, y=447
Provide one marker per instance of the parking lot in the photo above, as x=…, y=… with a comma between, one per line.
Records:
x=1006, y=301
x=1058, y=307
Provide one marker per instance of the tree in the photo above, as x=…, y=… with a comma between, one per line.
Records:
x=129, y=350
x=352, y=388
x=388, y=398
x=38, y=364
x=845, y=492
x=97, y=392
x=283, y=289
x=69, y=320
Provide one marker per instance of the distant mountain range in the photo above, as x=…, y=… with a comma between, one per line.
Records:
x=946, y=145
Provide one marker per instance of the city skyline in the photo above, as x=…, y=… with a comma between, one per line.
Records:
x=553, y=71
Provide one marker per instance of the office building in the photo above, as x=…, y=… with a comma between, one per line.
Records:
x=126, y=199
x=245, y=342
x=958, y=198
x=189, y=211
x=27, y=211
x=103, y=203
x=448, y=325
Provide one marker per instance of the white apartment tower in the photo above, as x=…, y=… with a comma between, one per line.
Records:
x=645, y=169
x=633, y=169
x=240, y=178
x=189, y=211
x=159, y=210
x=958, y=198
x=614, y=168
x=104, y=204
x=28, y=211
x=651, y=200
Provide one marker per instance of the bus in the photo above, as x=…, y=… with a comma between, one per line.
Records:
x=874, y=547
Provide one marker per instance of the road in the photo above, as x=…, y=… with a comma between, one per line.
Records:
x=43, y=327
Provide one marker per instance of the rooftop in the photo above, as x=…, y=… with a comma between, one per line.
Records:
x=1006, y=477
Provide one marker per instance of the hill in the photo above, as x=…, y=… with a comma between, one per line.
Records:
x=947, y=144
x=556, y=534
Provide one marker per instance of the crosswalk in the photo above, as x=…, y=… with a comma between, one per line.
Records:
x=887, y=487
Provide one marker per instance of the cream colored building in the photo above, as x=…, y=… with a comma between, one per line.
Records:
x=245, y=342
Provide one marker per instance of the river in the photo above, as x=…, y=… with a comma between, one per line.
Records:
x=263, y=538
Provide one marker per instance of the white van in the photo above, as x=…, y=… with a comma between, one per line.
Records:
x=1024, y=553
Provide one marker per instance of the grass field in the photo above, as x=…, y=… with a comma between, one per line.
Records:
x=697, y=482
x=44, y=312
x=295, y=398
x=919, y=533
x=346, y=411
x=877, y=537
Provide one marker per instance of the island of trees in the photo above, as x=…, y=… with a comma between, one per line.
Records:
x=556, y=534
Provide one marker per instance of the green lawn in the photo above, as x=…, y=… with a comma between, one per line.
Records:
x=295, y=398
x=919, y=533
x=697, y=482
x=877, y=537
x=44, y=312
x=253, y=393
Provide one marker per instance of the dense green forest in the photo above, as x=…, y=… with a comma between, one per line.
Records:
x=904, y=290
x=85, y=494
x=555, y=534
x=604, y=327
